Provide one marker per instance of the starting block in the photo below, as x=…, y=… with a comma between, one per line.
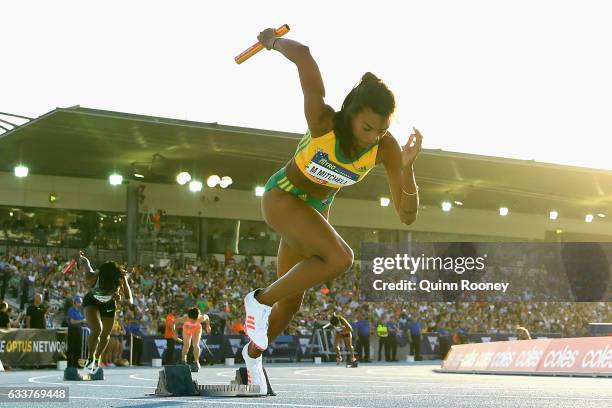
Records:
x=232, y=390
x=177, y=381
x=241, y=379
x=72, y=374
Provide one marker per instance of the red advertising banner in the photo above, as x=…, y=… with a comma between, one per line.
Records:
x=585, y=355
x=524, y=355
x=591, y=354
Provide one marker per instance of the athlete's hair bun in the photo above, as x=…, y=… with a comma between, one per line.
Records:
x=368, y=76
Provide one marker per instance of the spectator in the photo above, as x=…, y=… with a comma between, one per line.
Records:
x=5, y=318
x=36, y=315
x=75, y=320
x=5, y=277
x=171, y=337
x=362, y=327
x=392, y=339
x=112, y=355
x=132, y=328
x=25, y=289
x=238, y=327
x=415, y=339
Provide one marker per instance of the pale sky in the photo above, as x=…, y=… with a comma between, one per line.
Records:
x=519, y=79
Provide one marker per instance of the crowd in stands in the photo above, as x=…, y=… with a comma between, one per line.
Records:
x=217, y=286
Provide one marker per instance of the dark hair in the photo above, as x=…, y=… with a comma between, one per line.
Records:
x=193, y=313
x=334, y=321
x=110, y=273
x=371, y=93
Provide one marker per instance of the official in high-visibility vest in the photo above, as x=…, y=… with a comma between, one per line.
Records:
x=383, y=335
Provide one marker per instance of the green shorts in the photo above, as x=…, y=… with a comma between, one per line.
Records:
x=280, y=180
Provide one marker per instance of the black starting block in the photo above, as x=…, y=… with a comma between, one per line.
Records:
x=354, y=364
x=175, y=380
x=241, y=379
x=72, y=374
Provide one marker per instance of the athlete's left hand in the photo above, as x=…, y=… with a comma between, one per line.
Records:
x=412, y=148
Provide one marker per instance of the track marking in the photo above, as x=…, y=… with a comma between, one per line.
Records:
x=35, y=380
x=216, y=401
x=135, y=377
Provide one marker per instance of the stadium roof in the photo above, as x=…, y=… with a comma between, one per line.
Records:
x=81, y=142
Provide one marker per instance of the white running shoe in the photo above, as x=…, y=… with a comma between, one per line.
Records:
x=88, y=364
x=94, y=366
x=256, y=322
x=255, y=372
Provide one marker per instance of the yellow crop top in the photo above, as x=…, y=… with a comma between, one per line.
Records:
x=321, y=160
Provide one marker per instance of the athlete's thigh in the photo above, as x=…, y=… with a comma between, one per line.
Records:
x=348, y=340
x=107, y=324
x=286, y=258
x=305, y=230
x=195, y=339
x=92, y=316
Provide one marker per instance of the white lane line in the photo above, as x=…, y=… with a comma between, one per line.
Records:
x=231, y=402
x=412, y=394
x=356, y=379
x=305, y=372
x=277, y=384
x=411, y=384
x=209, y=401
x=232, y=374
x=81, y=383
x=396, y=387
x=531, y=397
x=136, y=377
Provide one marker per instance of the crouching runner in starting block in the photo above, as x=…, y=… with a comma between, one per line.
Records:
x=342, y=332
x=192, y=333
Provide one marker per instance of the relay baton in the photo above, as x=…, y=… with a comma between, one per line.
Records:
x=68, y=267
x=255, y=48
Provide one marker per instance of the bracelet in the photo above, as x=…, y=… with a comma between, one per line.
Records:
x=415, y=193
x=274, y=42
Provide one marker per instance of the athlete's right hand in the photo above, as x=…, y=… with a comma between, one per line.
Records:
x=83, y=261
x=266, y=37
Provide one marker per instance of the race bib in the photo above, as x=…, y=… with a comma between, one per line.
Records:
x=326, y=171
x=103, y=298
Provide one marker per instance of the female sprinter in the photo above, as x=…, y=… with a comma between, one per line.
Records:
x=338, y=150
x=342, y=331
x=100, y=304
x=192, y=332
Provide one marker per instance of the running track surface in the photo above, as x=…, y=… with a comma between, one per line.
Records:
x=379, y=385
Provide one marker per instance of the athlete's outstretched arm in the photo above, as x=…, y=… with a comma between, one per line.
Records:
x=127, y=291
x=400, y=175
x=208, y=329
x=90, y=274
x=317, y=113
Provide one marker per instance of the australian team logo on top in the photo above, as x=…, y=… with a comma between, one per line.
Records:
x=326, y=171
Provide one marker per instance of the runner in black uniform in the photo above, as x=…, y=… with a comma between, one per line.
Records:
x=100, y=304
